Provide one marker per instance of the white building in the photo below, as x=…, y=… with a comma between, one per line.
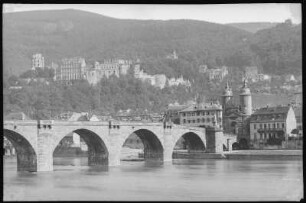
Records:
x=38, y=61
x=160, y=80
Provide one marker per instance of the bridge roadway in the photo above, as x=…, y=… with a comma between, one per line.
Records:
x=35, y=141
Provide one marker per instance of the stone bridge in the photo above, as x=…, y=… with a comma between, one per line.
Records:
x=35, y=141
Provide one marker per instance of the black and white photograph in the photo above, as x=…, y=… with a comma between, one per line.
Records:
x=152, y=102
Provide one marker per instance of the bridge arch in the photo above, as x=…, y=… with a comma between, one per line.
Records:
x=26, y=155
x=97, y=150
x=153, y=147
x=190, y=141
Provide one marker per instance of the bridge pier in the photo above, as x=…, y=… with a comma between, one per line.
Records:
x=96, y=158
x=214, y=140
x=168, y=145
x=44, y=152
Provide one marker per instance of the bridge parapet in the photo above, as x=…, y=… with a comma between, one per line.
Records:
x=18, y=122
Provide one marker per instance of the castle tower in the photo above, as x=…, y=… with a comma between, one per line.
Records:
x=226, y=96
x=246, y=99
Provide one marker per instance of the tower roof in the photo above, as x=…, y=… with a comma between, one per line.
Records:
x=244, y=89
x=227, y=91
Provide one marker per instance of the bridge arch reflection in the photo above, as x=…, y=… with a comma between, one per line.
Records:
x=26, y=155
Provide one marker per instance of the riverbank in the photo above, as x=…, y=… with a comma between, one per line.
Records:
x=265, y=154
x=243, y=154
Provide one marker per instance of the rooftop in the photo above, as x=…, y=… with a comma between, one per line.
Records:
x=272, y=110
x=203, y=106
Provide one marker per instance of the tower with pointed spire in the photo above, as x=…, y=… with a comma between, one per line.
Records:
x=245, y=99
x=226, y=96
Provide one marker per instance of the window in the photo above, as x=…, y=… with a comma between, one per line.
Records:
x=184, y=114
x=203, y=120
x=254, y=136
x=260, y=126
x=277, y=125
x=254, y=126
x=269, y=125
x=283, y=125
x=198, y=113
x=193, y=121
x=188, y=121
x=265, y=126
x=212, y=113
x=184, y=121
x=273, y=125
x=198, y=120
x=203, y=113
x=207, y=112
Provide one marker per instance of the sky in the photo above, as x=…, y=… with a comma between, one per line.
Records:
x=217, y=13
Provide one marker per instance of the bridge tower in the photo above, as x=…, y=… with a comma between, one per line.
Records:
x=245, y=99
x=226, y=96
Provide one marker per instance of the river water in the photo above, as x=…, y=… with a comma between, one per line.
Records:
x=180, y=180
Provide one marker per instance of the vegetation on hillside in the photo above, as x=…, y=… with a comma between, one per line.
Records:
x=69, y=33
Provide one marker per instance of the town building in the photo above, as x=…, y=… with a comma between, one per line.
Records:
x=263, y=77
x=16, y=116
x=202, y=115
x=203, y=68
x=160, y=80
x=251, y=72
x=105, y=117
x=215, y=73
x=71, y=69
x=172, y=56
x=290, y=78
x=157, y=80
x=38, y=61
x=179, y=81
x=172, y=113
x=271, y=123
x=109, y=67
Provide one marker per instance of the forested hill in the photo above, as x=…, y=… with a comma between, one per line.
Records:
x=279, y=48
x=66, y=33
x=253, y=27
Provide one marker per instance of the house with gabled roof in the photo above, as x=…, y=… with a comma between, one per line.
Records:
x=270, y=123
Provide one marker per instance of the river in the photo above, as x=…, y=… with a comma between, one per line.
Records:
x=180, y=180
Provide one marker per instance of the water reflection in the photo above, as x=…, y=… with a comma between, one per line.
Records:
x=179, y=180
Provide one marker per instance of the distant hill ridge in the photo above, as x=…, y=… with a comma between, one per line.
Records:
x=253, y=27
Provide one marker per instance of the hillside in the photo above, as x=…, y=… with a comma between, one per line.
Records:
x=279, y=49
x=253, y=27
x=66, y=33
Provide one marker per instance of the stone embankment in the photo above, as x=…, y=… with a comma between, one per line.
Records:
x=265, y=154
